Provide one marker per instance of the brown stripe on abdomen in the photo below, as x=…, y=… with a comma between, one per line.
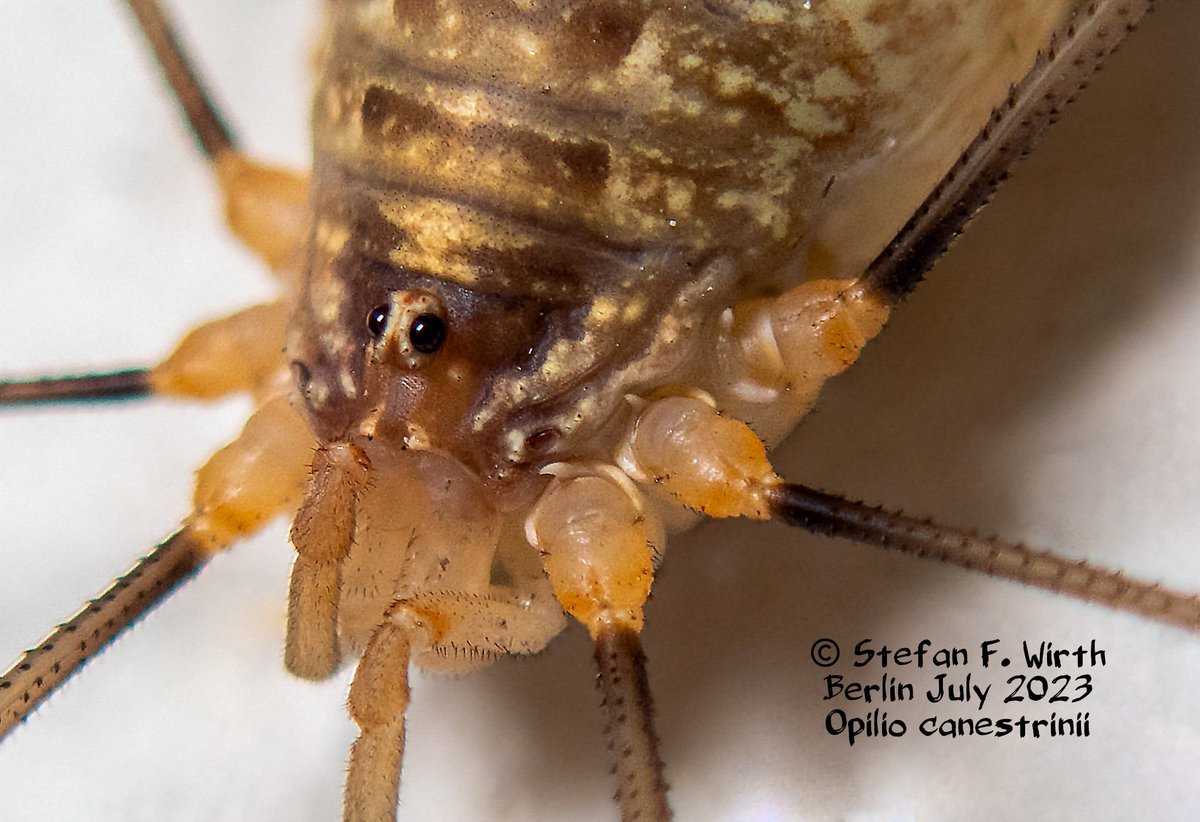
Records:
x=583, y=37
x=390, y=119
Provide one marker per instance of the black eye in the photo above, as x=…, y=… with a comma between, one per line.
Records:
x=377, y=320
x=427, y=333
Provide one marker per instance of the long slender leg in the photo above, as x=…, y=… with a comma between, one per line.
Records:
x=266, y=207
x=242, y=487
x=241, y=352
x=115, y=385
x=837, y=516
x=43, y=668
x=689, y=452
x=1076, y=52
x=629, y=724
x=597, y=549
x=208, y=126
x=245, y=484
x=777, y=353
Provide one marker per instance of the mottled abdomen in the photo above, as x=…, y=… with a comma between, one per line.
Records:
x=708, y=125
x=611, y=175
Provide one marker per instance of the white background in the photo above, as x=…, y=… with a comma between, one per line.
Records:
x=1043, y=386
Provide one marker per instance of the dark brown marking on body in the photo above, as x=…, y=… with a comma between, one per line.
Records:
x=415, y=12
x=854, y=111
x=392, y=117
x=386, y=115
x=374, y=235
x=356, y=209
x=551, y=226
x=584, y=164
x=598, y=36
x=546, y=270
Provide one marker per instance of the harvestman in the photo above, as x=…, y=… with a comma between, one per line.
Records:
x=652, y=649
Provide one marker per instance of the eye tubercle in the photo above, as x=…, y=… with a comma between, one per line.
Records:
x=408, y=329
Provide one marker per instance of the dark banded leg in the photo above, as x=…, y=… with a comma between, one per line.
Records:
x=272, y=453
x=629, y=724
x=601, y=566
x=265, y=207
x=133, y=383
x=698, y=437
x=243, y=487
x=41, y=669
x=205, y=121
x=1094, y=31
x=836, y=516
